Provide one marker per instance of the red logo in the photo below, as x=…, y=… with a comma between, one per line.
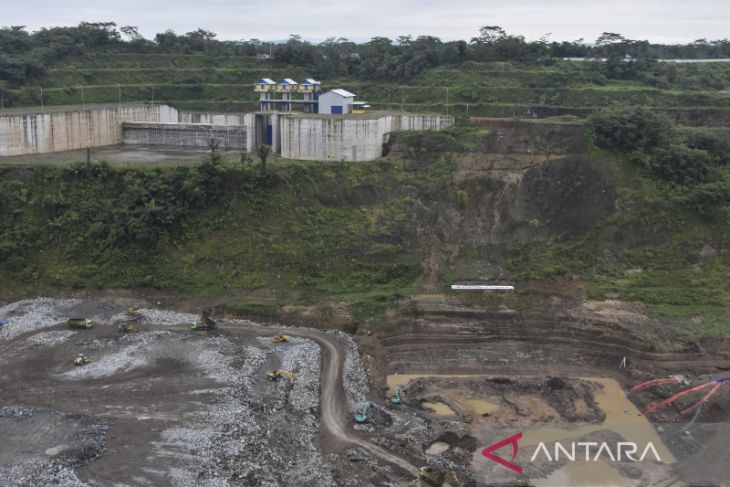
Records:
x=487, y=452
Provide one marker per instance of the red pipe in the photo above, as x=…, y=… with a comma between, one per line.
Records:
x=644, y=385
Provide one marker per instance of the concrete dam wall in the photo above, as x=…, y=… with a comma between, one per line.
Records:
x=294, y=136
x=38, y=133
x=333, y=138
x=184, y=135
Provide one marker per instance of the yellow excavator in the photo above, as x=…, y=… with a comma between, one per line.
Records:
x=280, y=338
x=134, y=317
x=81, y=359
x=280, y=374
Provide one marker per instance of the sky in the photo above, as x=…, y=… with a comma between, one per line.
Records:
x=667, y=21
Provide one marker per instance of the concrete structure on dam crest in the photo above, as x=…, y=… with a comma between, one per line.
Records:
x=299, y=136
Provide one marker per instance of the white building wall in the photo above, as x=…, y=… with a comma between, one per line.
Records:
x=327, y=100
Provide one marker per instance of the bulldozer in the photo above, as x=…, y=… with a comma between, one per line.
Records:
x=79, y=323
x=429, y=475
x=81, y=359
x=280, y=374
x=205, y=323
x=280, y=338
x=362, y=415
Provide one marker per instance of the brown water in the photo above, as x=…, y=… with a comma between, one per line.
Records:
x=439, y=408
x=479, y=407
x=621, y=417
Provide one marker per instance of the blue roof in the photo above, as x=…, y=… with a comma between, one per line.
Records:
x=266, y=81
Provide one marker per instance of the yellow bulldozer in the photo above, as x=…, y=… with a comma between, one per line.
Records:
x=280, y=374
x=81, y=359
x=280, y=338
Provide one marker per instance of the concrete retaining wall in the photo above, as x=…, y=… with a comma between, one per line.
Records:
x=331, y=138
x=184, y=135
x=35, y=133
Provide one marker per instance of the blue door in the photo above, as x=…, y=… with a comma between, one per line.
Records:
x=269, y=134
x=336, y=110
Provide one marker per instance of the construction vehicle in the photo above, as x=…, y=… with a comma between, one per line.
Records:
x=81, y=359
x=429, y=475
x=362, y=415
x=280, y=338
x=205, y=323
x=134, y=317
x=280, y=374
x=79, y=323
x=395, y=398
x=129, y=326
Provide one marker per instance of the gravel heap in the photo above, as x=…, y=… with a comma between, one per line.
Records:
x=32, y=315
x=53, y=467
x=248, y=433
x=49, y=338
x=355, y=378
x=128, y=352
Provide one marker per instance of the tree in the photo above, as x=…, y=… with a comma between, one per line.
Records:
x=131, y=32
x=489, y=34
x=214, y=156
x=628, y=129
x=263, y=152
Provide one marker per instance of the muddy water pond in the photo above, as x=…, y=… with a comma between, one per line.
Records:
x=621, y=418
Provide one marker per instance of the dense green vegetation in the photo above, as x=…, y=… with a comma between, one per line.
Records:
x=493, y=74
x=298, y=234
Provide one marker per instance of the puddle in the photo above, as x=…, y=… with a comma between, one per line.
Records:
x=403, y=379
x=586, y=474
x=437, y=448
x=479, y=407
x=622, y=417
x=439, y=408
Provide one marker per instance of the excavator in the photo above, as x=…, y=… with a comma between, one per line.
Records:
x=362, y=415
x=280, y=338
x=134, y=317
x=280, y=374
x=81, y=359
x=206, y=323
x=79, y=323
x=395, y=398
x=429, y=475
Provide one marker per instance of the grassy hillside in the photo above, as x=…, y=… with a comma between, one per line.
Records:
x=223, y=83
x=361, y=237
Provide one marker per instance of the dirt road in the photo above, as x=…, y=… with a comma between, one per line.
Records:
x=333, y=400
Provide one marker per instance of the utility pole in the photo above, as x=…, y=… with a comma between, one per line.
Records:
x=42, y=107
x=402, y=99
x=83, y=100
